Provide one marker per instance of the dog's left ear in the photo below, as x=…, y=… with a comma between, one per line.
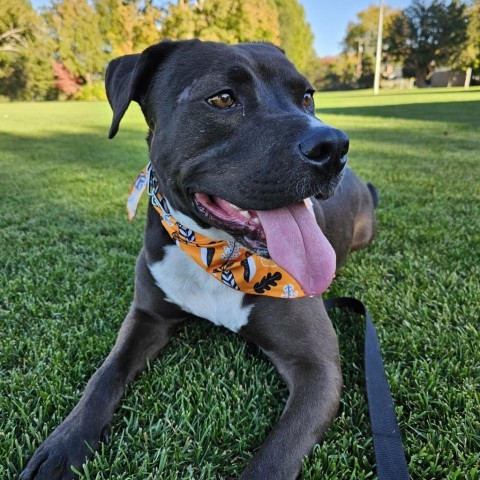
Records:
x=127, y=78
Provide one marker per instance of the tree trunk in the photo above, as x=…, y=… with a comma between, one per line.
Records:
x=420, y=75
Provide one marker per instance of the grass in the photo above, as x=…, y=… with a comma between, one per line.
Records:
x=200, y=411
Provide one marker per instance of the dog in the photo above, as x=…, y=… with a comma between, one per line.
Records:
x=235, y=149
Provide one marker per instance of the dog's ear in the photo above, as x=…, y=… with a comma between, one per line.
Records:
x=127, y=78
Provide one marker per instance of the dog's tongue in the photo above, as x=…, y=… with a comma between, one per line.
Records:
x=296, y=243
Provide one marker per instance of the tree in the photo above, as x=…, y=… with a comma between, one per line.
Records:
x=25, y=52
x=470, y=56
x=361, y=40
x=296, y=36
x=281, y=22
x=427, y=32
x=328, y=73
x=75, y=28
x=229, y=21
x=179, y=21
x=365, y=29
x=66, y=85
x=128, y=26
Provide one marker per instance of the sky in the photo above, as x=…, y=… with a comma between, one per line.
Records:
x=327, y=18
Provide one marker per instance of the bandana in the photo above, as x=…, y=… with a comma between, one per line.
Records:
x=227, y=261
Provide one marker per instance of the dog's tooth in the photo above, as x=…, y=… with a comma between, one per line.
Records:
x=256, y=221
x=234, y=206
x=245, y=214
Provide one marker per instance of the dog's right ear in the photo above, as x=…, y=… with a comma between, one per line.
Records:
x=127, y=78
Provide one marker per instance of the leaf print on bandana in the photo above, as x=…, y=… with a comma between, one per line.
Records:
x=232, y=250
x=267, y=282
x=189, y=235
x=290, y=291
x=207, y=254
x=229, y=280
x=268, y=262
x=249, y=268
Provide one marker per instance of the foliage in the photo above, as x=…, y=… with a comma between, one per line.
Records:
x=18, y=24
x=364, y=31
x=222, y=20
x=470, y=56
x=361, y=41
x=321, y=73
x=25, y=52
x=83, y=35
x=334, y=73
x=281, y=22
x=127, y=26
x=92, y=91
x=65, y=83
x=296, y=36
x=75, y=27
x=427, y=32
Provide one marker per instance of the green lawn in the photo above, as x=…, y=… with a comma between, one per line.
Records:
x=201, y=410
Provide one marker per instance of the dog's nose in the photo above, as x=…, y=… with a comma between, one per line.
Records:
x=325, y=146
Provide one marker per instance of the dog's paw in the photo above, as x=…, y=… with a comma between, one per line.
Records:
x=63, y=449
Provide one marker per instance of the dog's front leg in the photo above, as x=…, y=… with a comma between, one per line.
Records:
x=298, y=337
x=142, y=336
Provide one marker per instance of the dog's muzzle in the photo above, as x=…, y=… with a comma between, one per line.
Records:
x=325, y=147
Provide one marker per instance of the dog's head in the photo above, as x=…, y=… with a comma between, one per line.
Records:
x=232, y=132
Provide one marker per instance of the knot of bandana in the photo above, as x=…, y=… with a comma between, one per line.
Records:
x=228, y=261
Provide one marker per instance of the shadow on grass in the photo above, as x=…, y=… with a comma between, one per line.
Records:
x=91, y=149
x=450, y=139
x=452, y=112
x=397, y=93
x=83, y=172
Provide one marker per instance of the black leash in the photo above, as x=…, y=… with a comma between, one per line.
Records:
x=390, y=457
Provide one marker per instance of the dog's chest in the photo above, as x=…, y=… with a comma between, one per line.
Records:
x=194, y=290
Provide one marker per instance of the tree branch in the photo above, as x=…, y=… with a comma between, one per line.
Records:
x=13, y=32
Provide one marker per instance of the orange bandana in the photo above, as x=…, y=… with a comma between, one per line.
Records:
x=228, y=261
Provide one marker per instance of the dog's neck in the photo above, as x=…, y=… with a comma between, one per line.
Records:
x=226, y=260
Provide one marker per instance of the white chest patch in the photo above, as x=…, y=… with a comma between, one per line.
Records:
x=194, y=290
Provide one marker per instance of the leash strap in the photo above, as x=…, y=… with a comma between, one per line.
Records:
x=389, y=453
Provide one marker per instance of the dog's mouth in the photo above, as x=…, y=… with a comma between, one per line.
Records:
x=290, y=236
x=245, y=225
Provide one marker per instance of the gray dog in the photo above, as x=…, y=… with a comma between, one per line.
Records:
x=235, y=149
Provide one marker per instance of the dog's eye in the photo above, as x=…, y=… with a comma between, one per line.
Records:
x=308, y=100
x=222, y=100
